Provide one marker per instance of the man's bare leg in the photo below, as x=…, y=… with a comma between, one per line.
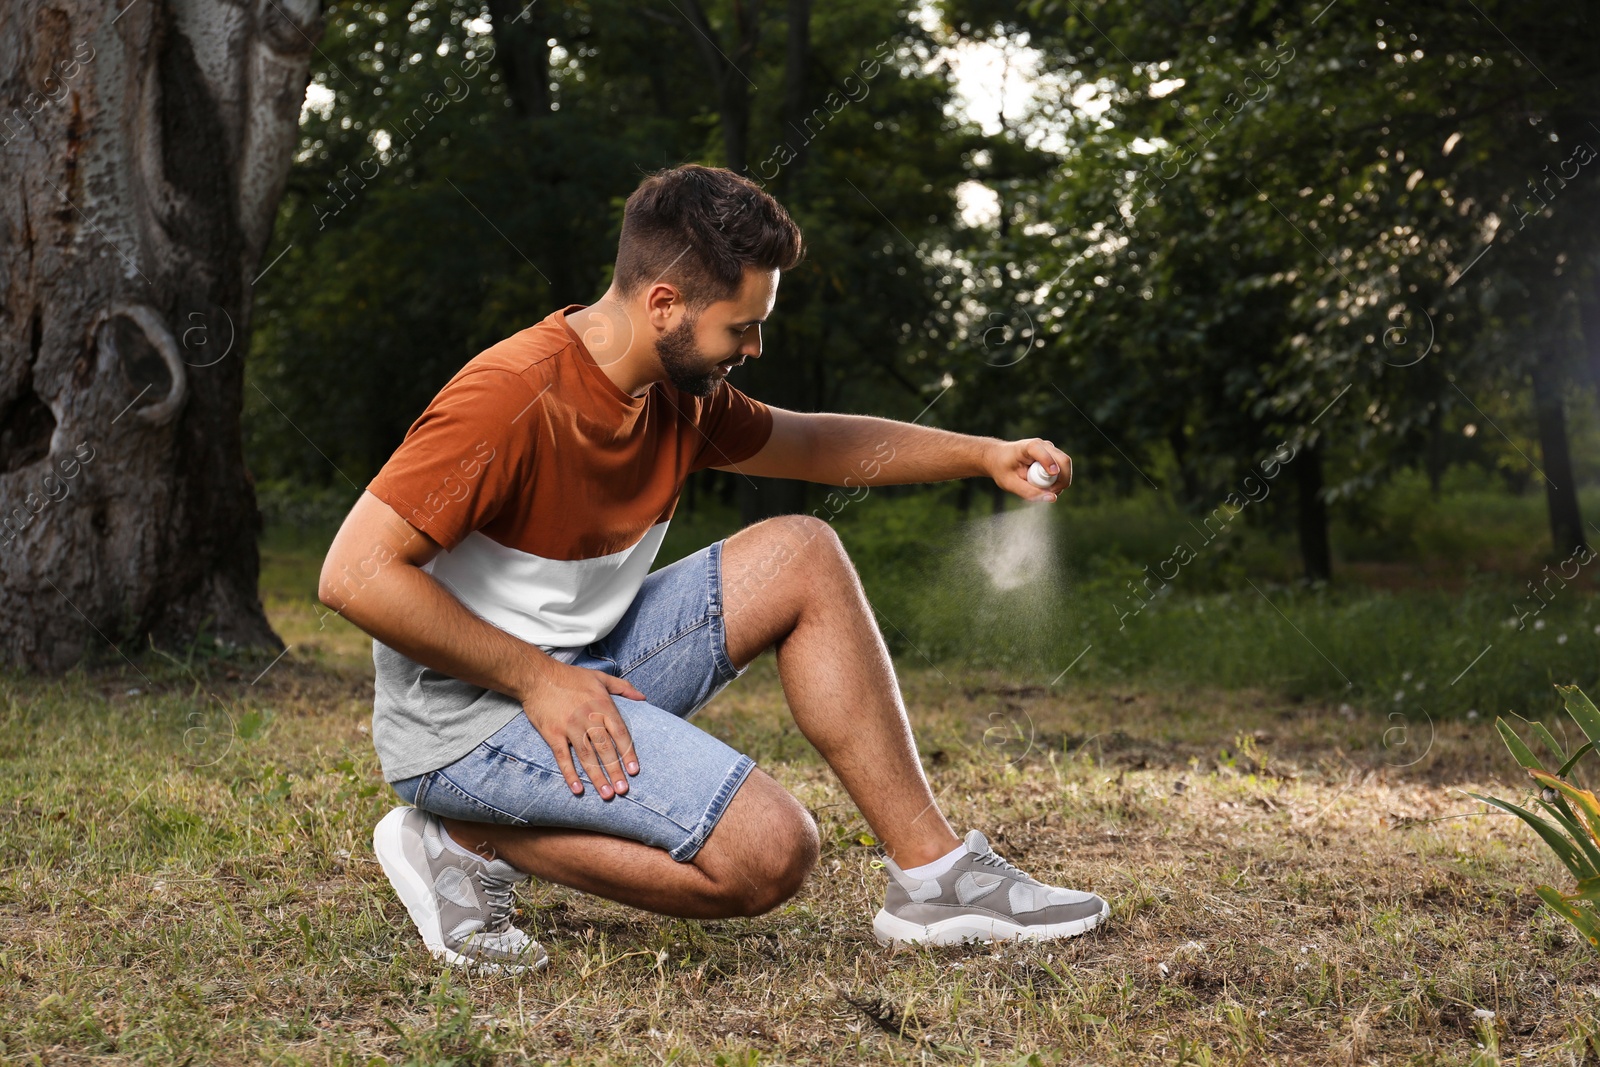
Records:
x=757, y=856
x=788, y=582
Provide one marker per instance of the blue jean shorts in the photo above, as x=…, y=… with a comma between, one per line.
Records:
x=672, y=646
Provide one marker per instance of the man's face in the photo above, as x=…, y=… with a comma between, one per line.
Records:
x=700, y=351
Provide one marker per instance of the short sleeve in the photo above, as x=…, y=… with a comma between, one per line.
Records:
x=460, y=461
x=733, y=427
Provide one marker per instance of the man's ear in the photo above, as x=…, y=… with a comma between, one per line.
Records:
x=664, y=305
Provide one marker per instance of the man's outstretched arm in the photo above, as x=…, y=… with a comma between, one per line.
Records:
x=853, y=450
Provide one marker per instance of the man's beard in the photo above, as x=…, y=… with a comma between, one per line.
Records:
x=682, y=359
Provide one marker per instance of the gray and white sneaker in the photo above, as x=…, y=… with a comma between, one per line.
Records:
x=461, y=905
x=981, y=898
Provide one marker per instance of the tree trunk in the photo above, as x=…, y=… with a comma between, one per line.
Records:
x=1315, y=556
x=1560, y=487
x=1436, y=457
x=964, y=497
x=1589, y=318
x=796, y=67
x=778, y=376
x=523, y=53
x=730, y=72
x=145, y=149
x=1188, y=478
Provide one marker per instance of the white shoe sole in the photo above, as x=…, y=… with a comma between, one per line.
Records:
x=959, y=929
x=418, y=897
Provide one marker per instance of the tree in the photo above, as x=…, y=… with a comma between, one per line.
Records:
x=729, y=65
x=421, y=238
x=1344, y=165
x=147, y=148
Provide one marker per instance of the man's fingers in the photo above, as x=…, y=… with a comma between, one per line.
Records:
x=622, y=687
x=1048, y=455
x=561, y=749
x=605, y=751
x=591, y=765
x=1018, y=485
x=613, y=721
x=1063, y=462
x=610, y=737
x=624, y=743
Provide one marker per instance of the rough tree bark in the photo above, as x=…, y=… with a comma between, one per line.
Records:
x=143, y=147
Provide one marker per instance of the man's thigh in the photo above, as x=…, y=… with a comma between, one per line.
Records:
x=671, y=643
x=686, y=780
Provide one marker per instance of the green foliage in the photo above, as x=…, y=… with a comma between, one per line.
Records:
x=455, y=1039
x=1266, y=224
x=315, y=509
x=1409, y=651
x=1572, y=830
x=426, y=218
x=1221, y=228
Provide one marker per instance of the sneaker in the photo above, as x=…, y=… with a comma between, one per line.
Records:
x=981, y=898
x=461, y=905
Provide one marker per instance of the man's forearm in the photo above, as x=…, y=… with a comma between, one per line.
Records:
x=863, y=450
x=410, y=611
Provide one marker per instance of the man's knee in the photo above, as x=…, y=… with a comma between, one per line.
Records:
x=762, y=851
x=783, y=866
x=797, y=544
x=806, y=536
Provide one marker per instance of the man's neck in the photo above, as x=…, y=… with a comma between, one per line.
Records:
x=612, y=339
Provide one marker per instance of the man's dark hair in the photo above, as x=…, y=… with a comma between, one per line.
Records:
x=699, y=228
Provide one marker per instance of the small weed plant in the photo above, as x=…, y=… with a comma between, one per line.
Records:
x=1573, y=828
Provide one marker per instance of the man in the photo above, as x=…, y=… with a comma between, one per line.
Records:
x=534, y=681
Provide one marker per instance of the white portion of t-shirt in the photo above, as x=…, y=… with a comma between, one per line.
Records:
x=551, y=603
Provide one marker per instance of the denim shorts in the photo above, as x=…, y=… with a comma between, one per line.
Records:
x=672, y=646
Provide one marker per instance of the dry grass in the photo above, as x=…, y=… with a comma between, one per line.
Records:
x=188, y=878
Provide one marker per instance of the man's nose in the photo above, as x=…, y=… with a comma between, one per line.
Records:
x=751, y=346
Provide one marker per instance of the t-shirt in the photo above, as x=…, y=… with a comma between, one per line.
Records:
x=550, y=490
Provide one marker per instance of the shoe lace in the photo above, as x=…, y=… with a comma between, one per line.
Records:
x=994, y=859
x=498, y=892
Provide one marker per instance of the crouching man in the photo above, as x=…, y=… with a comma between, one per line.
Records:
x=535, y=680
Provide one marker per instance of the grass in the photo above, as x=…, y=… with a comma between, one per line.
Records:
x=188, y=878
x=1268, y=783
x=1431, y=613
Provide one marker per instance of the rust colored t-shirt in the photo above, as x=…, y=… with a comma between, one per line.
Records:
x=550, y=490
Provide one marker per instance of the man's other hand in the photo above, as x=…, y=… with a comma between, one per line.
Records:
x=572, y=709
x=1008, y=464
